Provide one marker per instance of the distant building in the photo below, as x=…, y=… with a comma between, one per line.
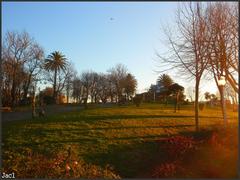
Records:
x=157, y=88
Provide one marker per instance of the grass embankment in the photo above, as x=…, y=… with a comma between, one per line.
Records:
x=111, y=141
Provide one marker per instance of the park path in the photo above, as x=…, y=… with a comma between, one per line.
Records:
x=54, y=109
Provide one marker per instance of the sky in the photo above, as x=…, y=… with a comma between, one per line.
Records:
x=98, y=35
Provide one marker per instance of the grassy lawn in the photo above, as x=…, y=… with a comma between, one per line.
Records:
x=125, y=138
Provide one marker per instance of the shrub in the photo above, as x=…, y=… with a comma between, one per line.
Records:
x=26, y=101
x=61, y=165
x=220, y=145
x=122, y=100
x=48, y=99
x=179, y=145
x=168, y=169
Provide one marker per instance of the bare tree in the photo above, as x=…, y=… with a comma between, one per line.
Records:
x=222, y=21
x=32, y=67
x=69, y=76
x=86, y=79
x=112, y=91
x=21, y=62
x=9, y=79
x=77, y=89
x=189, y=45
x=103, y=87
x=93, y=90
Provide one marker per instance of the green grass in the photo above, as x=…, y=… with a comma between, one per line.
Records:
x=123, y=137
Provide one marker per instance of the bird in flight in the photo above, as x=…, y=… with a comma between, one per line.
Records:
x=111, y=19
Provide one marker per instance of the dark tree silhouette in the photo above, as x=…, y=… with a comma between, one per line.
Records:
x=165, y=81
x=130, y=85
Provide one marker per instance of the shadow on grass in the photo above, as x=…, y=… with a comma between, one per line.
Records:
x=84, y=135
x=117, y=128
x=90, y=139
x=139, y=157
x=97, y=117
x=75, y=117
x=129, y=160
x=92, y=118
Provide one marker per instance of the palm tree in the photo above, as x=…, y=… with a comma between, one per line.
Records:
x=55, y=62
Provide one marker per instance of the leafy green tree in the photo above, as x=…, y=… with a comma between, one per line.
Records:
x=55, y=62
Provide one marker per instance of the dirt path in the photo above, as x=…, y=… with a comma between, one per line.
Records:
x=55, y=109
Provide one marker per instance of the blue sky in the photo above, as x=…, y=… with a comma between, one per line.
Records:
x=85, y=33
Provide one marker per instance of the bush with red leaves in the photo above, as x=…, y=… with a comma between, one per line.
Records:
x=179, y=145
x=61, y=164
x=165, y=170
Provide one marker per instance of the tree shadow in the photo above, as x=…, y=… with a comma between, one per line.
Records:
x=129, y=160
x=116, y=128
x=133, y=159
x=93, y=118
x=140, y=156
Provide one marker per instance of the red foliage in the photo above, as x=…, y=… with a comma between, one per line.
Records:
x=175, y=148
x=165, y=170
x=59, y=165
x=179, y=145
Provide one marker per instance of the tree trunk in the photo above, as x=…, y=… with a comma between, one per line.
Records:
x=25, y=93
x=223, y=104
x=54, y=86
x=13, y=94
x=175, y=106
x=165, y=99
x=67, y=98
x=176, y=102
x=86, y=99
x=196, y=104
x=13, y=90
x=111, y=98
x=232, y=81
x=67, y=95
x=85, y=103
x=33, y=103
x=95, y=98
